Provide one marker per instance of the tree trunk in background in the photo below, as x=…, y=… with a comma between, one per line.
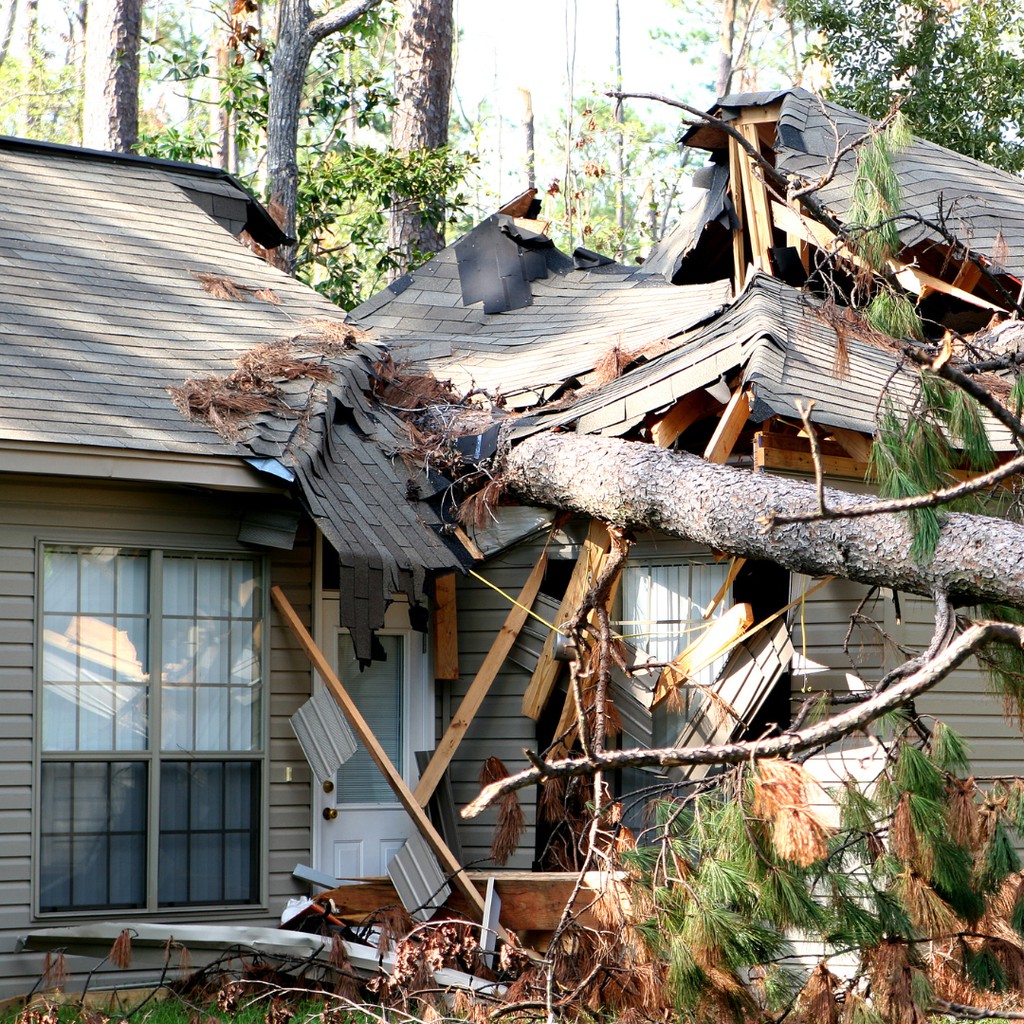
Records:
x=726, y=38
x=423, y=74
x=298, y=32
x=637, y=485
x=110, y=118
x=7, y=28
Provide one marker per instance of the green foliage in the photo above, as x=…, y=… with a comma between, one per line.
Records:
x=957, y=66
x=949, y=751
x=1005, y=664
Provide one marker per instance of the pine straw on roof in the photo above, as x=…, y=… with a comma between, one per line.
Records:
x=225, y=402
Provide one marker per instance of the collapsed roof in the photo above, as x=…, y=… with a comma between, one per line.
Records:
x=748, y=290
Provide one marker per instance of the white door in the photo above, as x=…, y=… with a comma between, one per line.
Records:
x=359, y=823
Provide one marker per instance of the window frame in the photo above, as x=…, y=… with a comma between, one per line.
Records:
x=155, y=546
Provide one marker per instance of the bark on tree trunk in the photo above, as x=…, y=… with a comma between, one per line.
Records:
x=423, y=71
x=111, y=102
x=636, y=485
x=298, y=32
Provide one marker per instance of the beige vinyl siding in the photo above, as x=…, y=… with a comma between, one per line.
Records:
x=500, y=728
x=81, y=512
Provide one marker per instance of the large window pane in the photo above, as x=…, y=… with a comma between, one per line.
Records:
x=209, y=832
x=96, y=818
x=378, y=693
x=95, y=657
x=211, y=654
x=92, y=843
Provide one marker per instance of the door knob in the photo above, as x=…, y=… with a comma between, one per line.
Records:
x=328, y=786
x=330, y=813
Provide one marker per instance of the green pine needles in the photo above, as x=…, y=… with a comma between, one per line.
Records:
x=918, y=875
x=916, y=452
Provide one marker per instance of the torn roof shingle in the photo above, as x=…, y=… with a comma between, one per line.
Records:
x=573, y=319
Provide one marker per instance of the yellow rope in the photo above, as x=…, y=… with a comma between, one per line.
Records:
x=512, y=600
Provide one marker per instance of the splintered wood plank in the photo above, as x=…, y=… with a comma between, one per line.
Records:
x=729, y=428
x=680, y=417
x=481, y=684
x=756, y=200
x=446, y=628
x=912, y=278
x=545, y=675
x=739, y=262
x=856, y=444
x=468, y=543
x=711, y=644
x=449, y=864
x=734, y=570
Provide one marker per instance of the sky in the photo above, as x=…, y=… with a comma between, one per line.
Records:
x=558, y=49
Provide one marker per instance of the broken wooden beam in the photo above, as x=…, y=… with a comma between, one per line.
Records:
x=730, y=426
x=481, y=684
x=791, y=454
x=545, y=675
x=690, y=409
x=712, y=643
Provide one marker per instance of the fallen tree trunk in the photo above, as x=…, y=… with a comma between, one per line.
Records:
x=642, y=486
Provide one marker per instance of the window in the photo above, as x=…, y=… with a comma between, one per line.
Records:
x=151, y=732
x=663, y=606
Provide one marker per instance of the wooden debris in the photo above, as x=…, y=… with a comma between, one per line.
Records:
x=680, y=417
x=711, y=644
x=595, y=547
x=729, y=428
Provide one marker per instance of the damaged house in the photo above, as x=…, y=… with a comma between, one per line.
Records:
x=214, y=480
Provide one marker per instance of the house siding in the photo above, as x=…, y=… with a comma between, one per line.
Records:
x=33, y=510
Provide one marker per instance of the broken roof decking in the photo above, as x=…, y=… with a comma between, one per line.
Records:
x=575, y=317
x=981, y=205
x=787, y=349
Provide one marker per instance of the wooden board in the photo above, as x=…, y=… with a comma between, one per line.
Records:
x=711, y=643
x=477, y=691
x=729, y=428
x=449, y=864
x=446, y=629
x=530, y=900
x=792, y=454
x=680, y=417
x=756, y=201
x=545, y=675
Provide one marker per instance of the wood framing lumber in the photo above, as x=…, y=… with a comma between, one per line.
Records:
x=481, y=684
x=756, y=200
x=854, y=443
x=730, y=426
x=446, y=628
x=736, y=190
x=449, y=864
x=538, y=692
x=793, y=454
x=680, y=417
x=468, y=543
x=912, y=278
x=711, y=644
